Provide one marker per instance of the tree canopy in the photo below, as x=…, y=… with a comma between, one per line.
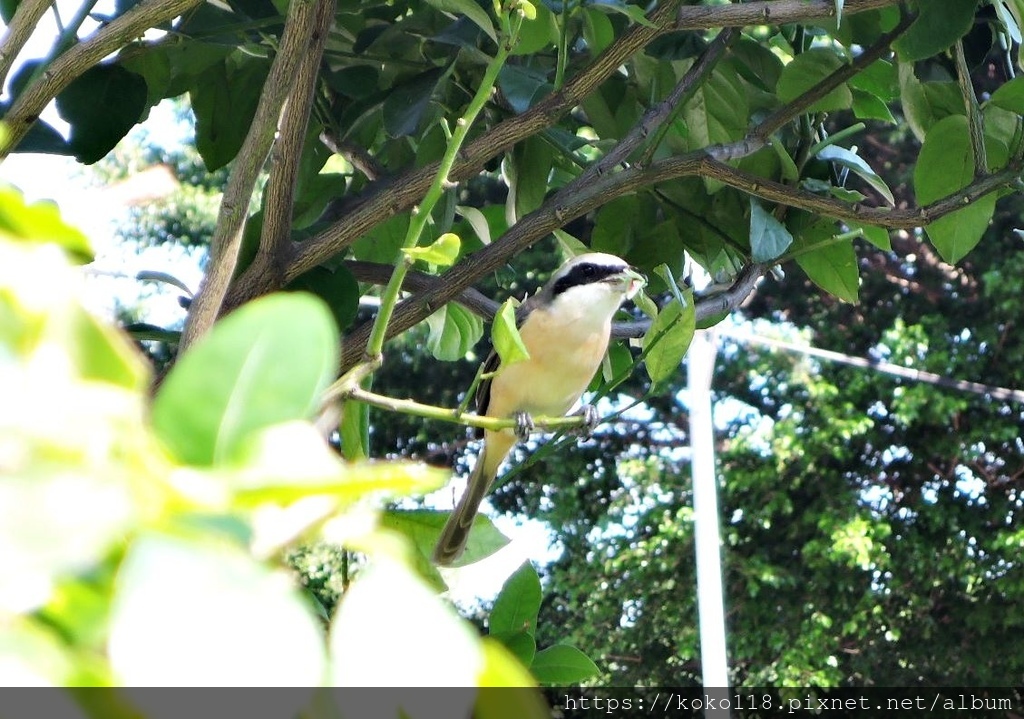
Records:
x=858, y=161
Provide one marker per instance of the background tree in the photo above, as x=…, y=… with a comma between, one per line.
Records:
x=656, y=138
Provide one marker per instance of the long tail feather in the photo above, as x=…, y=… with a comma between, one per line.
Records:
x=453, y=538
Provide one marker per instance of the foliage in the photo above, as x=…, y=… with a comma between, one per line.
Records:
x=398, y=138
x=171, y=523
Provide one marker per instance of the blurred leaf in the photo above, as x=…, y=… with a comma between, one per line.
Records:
x=40, y=222
x=562, y=665
x=505, y=335
x=101, y=105
x=522, y=644
x=254, y=626
x=286, y=462
x=437, y=648
x=517, y=604
x=633, y=12
x=246, y=375
x=877, y=236
x=454, y=331
x=502, y=670
x=101, y=353
x=668, y=339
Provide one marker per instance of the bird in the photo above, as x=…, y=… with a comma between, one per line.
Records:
x=566, y=327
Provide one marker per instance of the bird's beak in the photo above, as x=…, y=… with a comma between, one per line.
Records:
x=634, y=282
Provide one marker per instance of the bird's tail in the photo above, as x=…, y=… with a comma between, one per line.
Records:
x=452, y=541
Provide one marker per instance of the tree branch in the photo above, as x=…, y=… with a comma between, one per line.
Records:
x=79, y=58
x=227, y=237
x=287, y=153
x=18, y=32
x=399, y=194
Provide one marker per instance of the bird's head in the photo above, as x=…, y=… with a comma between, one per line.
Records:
x=596, y=272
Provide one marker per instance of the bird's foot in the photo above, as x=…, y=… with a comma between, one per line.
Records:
x=524, y=425
x=590, y=420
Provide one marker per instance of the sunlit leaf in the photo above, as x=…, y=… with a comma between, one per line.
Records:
x=505, y=335
x=247, y=375
x=454, y=331
x=518, y=602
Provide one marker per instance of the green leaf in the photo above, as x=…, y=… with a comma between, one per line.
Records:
x=291, y=460
x=877, y=236
x=633, y=12
x=945, y=166
x=718, y=111
x=668, y=339
x=538, y=33
x=833, y=268
x=521, y=644
x=441, y=252
x=1010, y=96
x=470, y=9
x=937, y=26
x=247, y=375
x=808, y=69
x=384, y=241
x=925, y=103
x=423, y=527
x=505, y=335
x=562, y=665
x=517, y=604
x=40, y=222
x=768, y=237
x=522, y=87
x=101, y=105
x=224, y=103
x=338, y=289
x=103, y=354
x=453, y=332
x=406, y=104
x=851, y=160
x=868, y=107
x=528, y=177
x=254, y=626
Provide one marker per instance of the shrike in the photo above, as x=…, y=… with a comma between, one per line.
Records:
x=566, y=327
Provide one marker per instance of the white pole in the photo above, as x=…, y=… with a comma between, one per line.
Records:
x=710, y=597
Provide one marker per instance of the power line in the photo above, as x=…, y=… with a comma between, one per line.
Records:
x=917, y=375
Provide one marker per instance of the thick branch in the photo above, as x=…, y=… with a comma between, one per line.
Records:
x=772, y=12
x=287, y=154
x=79, y=58
x=18, y=33
x=227, y=237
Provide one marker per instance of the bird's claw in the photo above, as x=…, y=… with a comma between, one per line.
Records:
x=524, y=425
x=590, y=420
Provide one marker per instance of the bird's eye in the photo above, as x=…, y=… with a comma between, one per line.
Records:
x=588, y=270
